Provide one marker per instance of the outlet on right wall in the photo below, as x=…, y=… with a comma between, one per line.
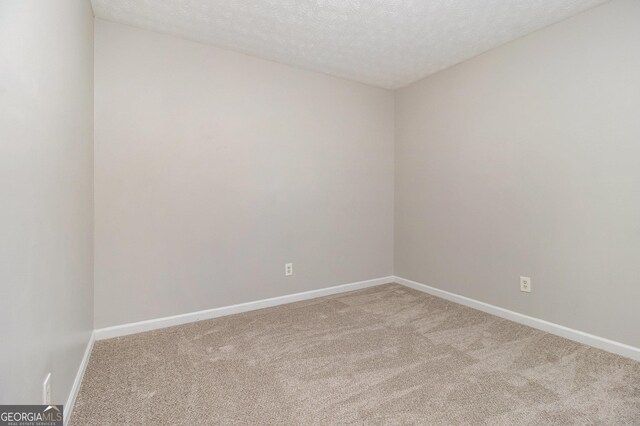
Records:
x=525, y=161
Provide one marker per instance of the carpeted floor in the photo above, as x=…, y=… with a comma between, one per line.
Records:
x=384, y=355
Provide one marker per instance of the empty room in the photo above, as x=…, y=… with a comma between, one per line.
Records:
x=319, y=212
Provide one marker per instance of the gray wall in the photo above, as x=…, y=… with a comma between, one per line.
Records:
x=214, y=169
x=46, y=182
x=526, y=161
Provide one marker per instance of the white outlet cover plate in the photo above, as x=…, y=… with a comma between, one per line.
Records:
x=525, y=284
x=46, y=390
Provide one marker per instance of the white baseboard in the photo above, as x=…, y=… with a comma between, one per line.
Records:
x=68, y=409
x=153, y=324
x=559, y=330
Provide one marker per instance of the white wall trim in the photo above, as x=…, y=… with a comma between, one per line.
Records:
x=68, y=408
x=559, y=330
x=153, y=324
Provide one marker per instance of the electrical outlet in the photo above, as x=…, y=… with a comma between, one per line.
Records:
x=525, y=284
x=288, y=269
x=46, y=390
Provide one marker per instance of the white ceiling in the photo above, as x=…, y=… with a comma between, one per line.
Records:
x=386, y=43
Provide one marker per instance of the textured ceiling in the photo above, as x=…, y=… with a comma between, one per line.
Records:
x=386, y=43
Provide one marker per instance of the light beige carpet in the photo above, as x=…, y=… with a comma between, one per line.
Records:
x=384, y=355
